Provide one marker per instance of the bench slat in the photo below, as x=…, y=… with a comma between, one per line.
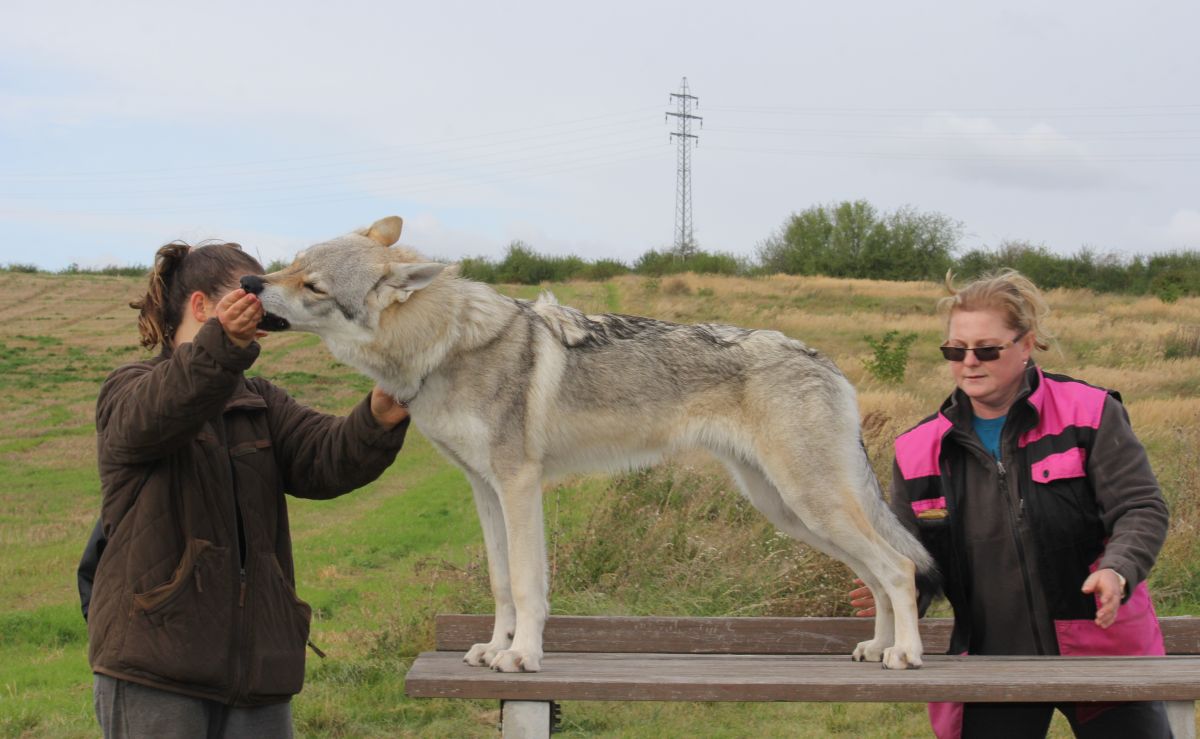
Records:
x=691, y=677
x=757, y=635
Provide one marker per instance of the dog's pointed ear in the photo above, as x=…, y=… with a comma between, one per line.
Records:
x=385, y=231
x=404, y=278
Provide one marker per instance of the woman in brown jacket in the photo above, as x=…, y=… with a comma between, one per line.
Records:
x=194, y=625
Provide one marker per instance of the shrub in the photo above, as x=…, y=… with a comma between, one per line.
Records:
x=656, y=264
x=24, y=268
x=891, y=356
x=603, y=269
x=478, y=268
x=111, y=270
x=1183, y=343
x=676, y=286
x=521, y=264
x=851, y=239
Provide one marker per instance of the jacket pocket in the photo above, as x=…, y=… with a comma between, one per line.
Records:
x=1061, y=466
x=280, y=632
x=180, y=630
x=931, y=513
x=1134, y=633
x=254, y=462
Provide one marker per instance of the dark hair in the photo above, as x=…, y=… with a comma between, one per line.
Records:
x=180, y=270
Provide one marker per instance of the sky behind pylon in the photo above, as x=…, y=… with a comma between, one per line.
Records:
x=125, y=125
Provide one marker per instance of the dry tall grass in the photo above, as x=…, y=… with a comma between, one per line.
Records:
x=1112, y=341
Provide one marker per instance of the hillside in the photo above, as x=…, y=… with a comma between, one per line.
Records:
x=376, y=565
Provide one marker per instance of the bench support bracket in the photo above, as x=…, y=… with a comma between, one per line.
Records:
x=525, y=719
x=1182, y=717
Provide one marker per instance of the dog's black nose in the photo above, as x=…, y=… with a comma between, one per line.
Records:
x=252, y=284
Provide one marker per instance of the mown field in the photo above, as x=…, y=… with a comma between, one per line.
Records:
x=378, y=564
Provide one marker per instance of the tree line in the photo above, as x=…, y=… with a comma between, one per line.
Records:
x=846, y=239
x=854, y=239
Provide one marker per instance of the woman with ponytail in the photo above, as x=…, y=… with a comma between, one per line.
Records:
x=194, y=625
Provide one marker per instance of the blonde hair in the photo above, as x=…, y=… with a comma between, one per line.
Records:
x=1007, y=292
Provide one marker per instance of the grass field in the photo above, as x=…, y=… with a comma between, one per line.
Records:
x=378, y=564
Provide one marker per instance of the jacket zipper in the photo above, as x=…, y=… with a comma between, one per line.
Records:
x=1017, y=521
x=242, y=637
x=240, y=671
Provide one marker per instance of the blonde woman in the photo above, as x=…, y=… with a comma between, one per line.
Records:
x=1037, y=500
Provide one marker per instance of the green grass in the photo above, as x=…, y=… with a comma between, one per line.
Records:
x=379, y=564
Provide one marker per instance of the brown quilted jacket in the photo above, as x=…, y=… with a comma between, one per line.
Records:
x=195, y=591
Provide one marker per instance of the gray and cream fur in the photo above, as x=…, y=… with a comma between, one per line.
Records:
x=516, y=392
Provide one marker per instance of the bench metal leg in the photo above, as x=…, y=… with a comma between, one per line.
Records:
x=1182, y=717
x=525, y=719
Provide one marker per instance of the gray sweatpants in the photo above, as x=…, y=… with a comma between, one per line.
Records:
x=127, y=710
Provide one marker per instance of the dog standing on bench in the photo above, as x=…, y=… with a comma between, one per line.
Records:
x=515, y=392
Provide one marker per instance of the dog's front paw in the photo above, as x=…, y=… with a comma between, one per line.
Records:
x=869, y=651
x=901, y=658
x=517, y=660
x=481, y=655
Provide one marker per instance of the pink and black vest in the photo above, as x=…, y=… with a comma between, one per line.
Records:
x=1055, y=426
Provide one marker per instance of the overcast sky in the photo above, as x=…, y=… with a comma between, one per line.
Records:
x=126, y=125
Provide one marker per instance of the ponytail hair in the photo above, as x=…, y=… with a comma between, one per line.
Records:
x=180, y=270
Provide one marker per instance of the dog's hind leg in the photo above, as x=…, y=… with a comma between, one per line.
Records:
x=831, y=509
x=491, y=519
x=521, y=497
x=765, y=497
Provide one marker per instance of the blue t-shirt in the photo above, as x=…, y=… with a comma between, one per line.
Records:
x=988, y=431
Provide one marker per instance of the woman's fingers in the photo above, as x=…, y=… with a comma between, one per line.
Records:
x=862, y=599
x=1106, y=586
x=240, y=313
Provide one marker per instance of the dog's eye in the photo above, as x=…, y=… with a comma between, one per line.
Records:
x=314, y=288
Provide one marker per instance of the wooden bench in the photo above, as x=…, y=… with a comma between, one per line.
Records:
x=598, y=658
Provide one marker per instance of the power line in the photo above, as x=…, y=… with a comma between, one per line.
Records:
x=685, y=243
x=375, y=154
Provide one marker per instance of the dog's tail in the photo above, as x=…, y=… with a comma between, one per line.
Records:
x=929, y=581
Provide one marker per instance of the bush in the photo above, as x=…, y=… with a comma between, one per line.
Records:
x=111, y=270
x=1183, y=343
x=603, y=269
x=1169, y=276
x=656, y=264
x=676, y=286
x=891, y=356
x=851, y=239
x=521, y=264
x=23, y=268
x=480, y=269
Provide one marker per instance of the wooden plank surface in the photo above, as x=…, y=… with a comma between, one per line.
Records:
x=755, y=635
x=692, y=677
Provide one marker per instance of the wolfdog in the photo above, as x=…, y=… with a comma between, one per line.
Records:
x=515, y=392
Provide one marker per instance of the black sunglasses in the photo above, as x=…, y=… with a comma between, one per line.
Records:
x=982, y=353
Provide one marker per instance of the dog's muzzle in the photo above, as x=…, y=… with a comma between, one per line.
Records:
x=254, y=284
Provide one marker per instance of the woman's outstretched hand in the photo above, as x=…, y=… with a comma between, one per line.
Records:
x=239, y=313
x=862, y=599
